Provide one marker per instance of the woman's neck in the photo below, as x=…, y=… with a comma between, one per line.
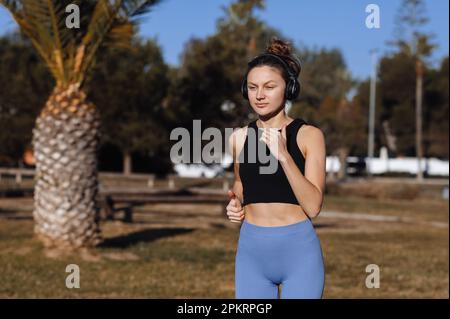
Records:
x=276, y=121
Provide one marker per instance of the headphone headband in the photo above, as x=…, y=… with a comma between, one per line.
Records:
x=278, y=58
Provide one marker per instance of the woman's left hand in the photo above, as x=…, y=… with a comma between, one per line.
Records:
x=276, y=142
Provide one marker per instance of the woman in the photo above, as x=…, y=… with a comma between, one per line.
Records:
x=277, y=243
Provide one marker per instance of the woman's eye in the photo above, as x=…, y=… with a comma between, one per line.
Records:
x=254, y=88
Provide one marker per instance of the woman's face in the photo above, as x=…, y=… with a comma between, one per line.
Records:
x=265, y=87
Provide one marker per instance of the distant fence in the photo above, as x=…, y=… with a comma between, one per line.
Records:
x=385, y=165
x=19, y=175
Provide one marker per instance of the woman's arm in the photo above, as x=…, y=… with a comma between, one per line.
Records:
x=308, y=188
x=237, y=185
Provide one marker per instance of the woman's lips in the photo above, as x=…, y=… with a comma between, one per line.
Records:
x=261, y=105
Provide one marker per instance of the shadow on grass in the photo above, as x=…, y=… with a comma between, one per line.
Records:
x=146, y=235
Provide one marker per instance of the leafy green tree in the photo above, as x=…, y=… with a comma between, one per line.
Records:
x=323, y=102
x=25, y=84
x=324, y=74
x=207, y=84
x=130, y=86
x=412, y=41
x=436, y=111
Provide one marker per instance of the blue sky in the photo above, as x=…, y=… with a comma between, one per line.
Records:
x=314, y=23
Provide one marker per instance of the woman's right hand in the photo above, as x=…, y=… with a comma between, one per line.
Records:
x=235, y=211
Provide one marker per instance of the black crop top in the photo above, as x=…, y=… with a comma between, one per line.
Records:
x=267, y=188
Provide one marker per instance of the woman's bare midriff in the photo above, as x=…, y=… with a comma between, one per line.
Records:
x=273, y=214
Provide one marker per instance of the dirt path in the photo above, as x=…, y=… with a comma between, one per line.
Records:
x=210, y=215
x=380, y=218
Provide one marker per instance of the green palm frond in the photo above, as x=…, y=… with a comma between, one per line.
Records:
x=113, y=22
x=70, y=52
x=35, y=20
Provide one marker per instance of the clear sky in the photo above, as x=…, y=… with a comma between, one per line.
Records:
x=314, y=23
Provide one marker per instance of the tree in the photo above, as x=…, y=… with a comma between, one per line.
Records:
x=131, y=109
x=436, y=111
x=25, y=84
x=207, y=84
x=325, y=83
x=411, y=18
x=65, y=137
x=396, y=82
x=324, y=74
x=395, y=121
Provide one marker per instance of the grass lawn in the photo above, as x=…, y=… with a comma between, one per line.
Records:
x=188, y=251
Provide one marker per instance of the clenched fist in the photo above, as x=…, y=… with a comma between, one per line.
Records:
x=235, y=211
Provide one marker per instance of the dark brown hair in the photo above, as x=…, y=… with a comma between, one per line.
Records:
x=284, y=50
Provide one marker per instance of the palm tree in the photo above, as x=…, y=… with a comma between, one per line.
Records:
x=65, y=137
x=417, y=45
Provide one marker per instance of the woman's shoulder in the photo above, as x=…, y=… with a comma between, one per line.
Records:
x=306, y=129
x=309, y=129
x=309, y=135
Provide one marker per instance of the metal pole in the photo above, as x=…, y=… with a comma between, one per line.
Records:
x=419, y=150
x=371, y=135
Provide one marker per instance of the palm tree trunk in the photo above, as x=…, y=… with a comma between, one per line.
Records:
x=65, y=141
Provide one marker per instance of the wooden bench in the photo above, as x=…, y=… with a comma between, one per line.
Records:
x=110, y=198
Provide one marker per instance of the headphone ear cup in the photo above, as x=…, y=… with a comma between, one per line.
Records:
x=244, y=89
x=288, y=94
x=292, y=89
x=297, y=89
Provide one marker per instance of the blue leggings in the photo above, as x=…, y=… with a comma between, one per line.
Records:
x=289, y=255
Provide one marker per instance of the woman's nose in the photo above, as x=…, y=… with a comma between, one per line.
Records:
x=259, y=94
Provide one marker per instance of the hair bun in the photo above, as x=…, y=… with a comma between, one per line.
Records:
x=279, y=47
x=284, y=50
